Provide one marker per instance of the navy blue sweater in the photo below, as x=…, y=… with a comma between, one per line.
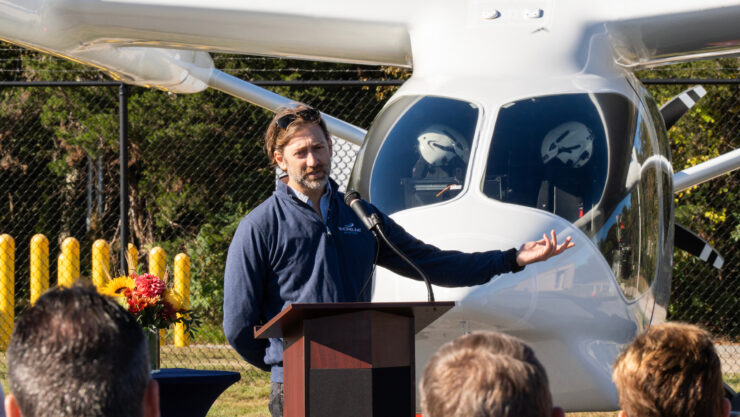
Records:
x=283, y=253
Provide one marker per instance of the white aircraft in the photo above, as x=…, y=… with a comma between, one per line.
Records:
x=520, y=117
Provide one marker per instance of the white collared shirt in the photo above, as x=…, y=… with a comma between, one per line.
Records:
x=323, y=202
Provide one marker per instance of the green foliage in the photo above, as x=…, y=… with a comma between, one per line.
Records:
x=196, y=164
x=208, y=255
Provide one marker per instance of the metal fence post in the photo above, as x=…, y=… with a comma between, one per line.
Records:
x=123, y=158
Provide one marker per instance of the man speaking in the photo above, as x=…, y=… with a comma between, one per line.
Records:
x=296, y=247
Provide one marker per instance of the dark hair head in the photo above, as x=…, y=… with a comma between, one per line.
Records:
x=77, y=353
x=278, y=136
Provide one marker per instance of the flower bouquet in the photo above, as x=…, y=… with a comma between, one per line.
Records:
x=153, y=304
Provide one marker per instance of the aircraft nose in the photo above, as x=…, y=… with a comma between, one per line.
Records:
x=507, y=301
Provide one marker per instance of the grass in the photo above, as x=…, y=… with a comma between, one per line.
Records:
x=243, y=400
x=246, y=398
x=733, y=380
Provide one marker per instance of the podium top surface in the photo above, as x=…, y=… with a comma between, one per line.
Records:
x=424, y=313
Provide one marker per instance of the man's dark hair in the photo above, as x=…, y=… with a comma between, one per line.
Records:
x=277, y=137
x=77, y=353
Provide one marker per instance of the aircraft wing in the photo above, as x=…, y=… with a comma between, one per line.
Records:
x=656, y=32
x=164, y=43
x=332, y=30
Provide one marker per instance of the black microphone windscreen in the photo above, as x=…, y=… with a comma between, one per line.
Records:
x=351, y=196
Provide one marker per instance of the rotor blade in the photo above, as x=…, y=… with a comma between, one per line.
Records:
x=705, y=171
x=677, y=106
x=687, y=240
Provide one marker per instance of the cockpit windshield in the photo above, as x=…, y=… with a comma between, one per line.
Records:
x=552, y=153
x=424, y=157
x=591, y=159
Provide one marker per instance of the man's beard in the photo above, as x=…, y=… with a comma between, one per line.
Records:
x=312, y=184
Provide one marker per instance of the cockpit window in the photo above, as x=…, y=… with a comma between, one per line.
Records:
x=593, y=160
x=425, y=154
x=549, y=153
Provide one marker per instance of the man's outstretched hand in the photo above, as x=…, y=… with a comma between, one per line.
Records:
x=542, y=249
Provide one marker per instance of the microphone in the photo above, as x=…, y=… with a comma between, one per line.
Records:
x=373, y=224
x=353, y=200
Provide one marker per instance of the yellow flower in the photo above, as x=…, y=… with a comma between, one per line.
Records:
x=172, y=298
x=115, y=287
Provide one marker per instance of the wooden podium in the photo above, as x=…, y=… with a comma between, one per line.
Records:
x=350, y=359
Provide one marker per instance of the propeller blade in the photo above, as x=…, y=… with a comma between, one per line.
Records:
x=687, y=240
x=676, y=107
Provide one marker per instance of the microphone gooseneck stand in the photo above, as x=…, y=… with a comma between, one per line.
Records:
x=374, y=224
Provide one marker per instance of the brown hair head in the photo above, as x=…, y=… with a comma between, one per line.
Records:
x=671, y=369
x=485, y=374
x=277, y=137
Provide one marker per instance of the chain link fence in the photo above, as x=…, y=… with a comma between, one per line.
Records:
x=699, y=292
x=196, y=167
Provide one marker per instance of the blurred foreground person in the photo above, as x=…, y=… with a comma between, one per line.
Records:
x=670, y=370
x=77, y=353
x=486, y=374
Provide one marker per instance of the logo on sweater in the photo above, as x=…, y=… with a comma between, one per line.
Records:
x=350, y=228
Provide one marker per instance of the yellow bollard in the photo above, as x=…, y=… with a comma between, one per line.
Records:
x=158, y=267
x=69, y=263
x=132, y=258
x=39, y=266
x=100, y=263
x=182, y=287
x=7, y=289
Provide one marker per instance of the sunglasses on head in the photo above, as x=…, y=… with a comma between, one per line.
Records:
x=309, y=115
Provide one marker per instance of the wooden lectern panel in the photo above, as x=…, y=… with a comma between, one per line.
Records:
x=423, y=313
x=350, y=359
x=295, y=377
x=364, y=339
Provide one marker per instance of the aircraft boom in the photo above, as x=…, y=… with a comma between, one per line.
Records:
x=706, y=171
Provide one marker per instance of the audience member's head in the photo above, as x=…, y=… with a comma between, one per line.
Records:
x=670, y=370
x=486, y=374
x=76, y=353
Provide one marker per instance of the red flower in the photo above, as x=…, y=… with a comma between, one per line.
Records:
x=168, y=313
x=149, y=286
x=147, y=298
